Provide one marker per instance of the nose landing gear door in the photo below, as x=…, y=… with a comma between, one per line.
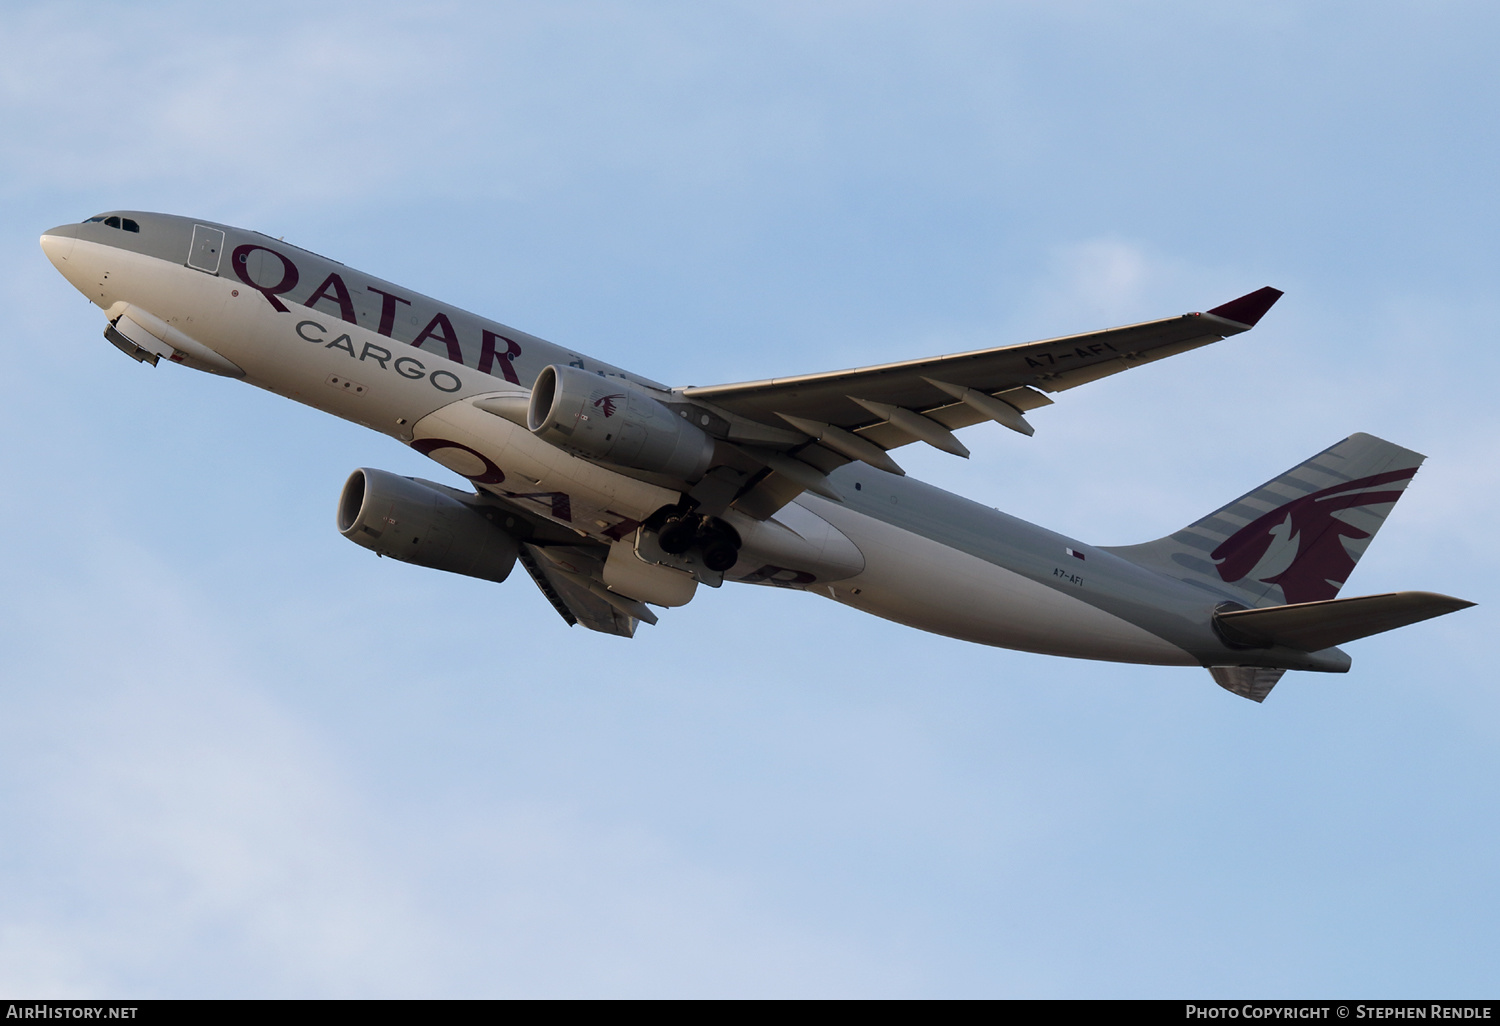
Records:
x=136, y=342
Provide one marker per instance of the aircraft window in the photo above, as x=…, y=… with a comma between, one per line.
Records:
x=131, y=226
x=94, y=220
x=113, y=222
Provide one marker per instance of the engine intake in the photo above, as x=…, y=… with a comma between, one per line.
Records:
x=423, y=523
x=615, y=421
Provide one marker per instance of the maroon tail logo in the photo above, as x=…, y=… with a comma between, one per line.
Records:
x=1307, y=528
x=607, y=403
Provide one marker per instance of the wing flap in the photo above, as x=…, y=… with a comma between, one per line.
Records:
x=564, y=574
x=953, y=416
x=1082, y=376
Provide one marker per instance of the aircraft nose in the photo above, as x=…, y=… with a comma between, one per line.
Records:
x=57, y=243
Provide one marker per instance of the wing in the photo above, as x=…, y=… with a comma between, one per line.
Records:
x=567, y=568
x=802, y=427
x=571, y=576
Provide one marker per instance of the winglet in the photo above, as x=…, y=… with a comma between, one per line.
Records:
x=1248, y=308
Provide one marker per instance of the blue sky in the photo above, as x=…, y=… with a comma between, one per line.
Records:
x=244, y=757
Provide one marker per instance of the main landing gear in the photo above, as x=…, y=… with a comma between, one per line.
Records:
x=683, y=530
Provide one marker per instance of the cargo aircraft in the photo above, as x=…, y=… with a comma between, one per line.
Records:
x=618, y=493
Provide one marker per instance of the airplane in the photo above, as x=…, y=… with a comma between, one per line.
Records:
x=617, y=493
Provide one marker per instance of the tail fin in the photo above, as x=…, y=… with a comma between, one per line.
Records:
x=1295, y=538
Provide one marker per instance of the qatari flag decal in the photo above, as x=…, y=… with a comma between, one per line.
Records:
x=1074, y=553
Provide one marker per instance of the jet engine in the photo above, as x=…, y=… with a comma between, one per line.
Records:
x=424, y=523
x=615, y=421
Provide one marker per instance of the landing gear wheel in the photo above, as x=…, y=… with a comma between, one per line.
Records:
x=719, y=554
x=720, y=544
x=677, y=535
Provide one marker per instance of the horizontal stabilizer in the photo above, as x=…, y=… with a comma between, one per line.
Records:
x=1313, y=626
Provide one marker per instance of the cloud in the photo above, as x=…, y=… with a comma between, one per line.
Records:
x=173, y=802
x=186, y=829
x=244, y=757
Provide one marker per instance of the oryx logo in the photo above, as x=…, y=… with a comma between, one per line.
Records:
x=1299, y=545
x=606, y=403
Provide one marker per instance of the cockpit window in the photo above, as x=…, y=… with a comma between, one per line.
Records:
x=114, y=221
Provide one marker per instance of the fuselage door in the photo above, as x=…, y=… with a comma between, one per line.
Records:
x=207, y=248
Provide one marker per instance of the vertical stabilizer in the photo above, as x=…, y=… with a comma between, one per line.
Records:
x=1297, y=537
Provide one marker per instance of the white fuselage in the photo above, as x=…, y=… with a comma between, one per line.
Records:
x=851, y=550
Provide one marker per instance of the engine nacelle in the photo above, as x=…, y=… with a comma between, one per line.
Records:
x=612, y=420
x=423, y=523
